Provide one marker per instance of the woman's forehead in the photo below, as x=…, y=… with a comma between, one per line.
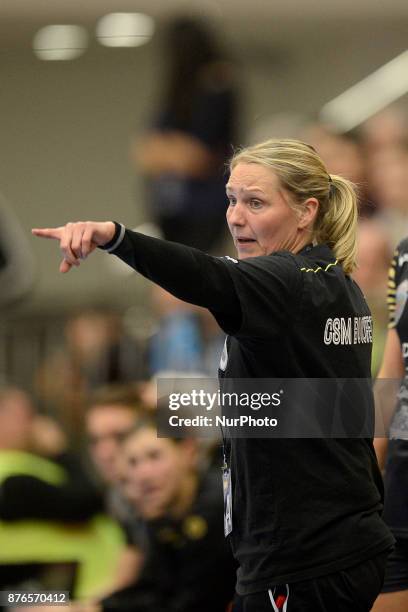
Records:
x=250, y=177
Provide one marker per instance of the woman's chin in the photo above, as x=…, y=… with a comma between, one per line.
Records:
x=243, y=252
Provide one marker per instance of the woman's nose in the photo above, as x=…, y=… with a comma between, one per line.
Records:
x=236, y=215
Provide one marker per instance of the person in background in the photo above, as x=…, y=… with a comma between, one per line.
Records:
x=183, y=155
x=51, y=511
x=371, y=275
x=388, y=177
x=189, y=566
x=387, y=129
x=40, y=478
x=392, y=448
x=344, y=155
x=176, y=345
x=96, y=352
x=112, y=412
x=384, y=138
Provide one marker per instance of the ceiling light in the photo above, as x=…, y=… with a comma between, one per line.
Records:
x=60, y=42
x=372, y=94
x=124, y=29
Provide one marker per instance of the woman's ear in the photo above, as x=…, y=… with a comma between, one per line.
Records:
x=309, y=213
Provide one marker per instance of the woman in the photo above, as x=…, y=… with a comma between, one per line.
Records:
x=306, y=526
x=392, y=454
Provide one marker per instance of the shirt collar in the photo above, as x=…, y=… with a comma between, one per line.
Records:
x=319, y=250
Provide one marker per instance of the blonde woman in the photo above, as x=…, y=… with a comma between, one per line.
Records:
x=304, y=514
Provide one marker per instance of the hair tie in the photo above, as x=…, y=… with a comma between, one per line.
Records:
x=331, y=187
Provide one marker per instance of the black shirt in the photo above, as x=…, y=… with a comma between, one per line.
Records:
x=301, y=508
x=189, y=566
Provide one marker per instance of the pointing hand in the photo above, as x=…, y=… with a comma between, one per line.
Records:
x=78, y=240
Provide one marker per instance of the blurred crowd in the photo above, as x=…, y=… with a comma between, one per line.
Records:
x=91, y=500
x=375, y=158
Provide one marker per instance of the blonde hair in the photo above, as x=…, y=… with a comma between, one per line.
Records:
x=302, y=173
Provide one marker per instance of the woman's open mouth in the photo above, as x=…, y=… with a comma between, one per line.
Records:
x=242, y=241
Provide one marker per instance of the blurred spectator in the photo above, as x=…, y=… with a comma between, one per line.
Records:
x=392, y=444
x=177, y=344
x=184, y=154
x=388, y=176
x=187, y=340
x=49, y=509
x=155, y=391
x=385, y=140
x=183, y=513
x=374, y=253
x=373, y=256
x=386, y=129
x=39, y=477
x=97, y=352
x=343, y=154
x=16, y=419
x=112, y=413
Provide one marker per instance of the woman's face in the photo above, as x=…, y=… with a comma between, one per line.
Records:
x=259, y=217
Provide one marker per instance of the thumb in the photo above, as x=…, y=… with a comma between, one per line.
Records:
x=65, y=266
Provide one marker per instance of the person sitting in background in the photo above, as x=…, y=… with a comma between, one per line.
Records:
x=96, y=352
x=39, y=477
x=112, y=412
x=50, y=510
x=184, y=154
x=189, y=566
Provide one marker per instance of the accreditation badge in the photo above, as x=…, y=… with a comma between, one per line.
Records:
x=227, y=487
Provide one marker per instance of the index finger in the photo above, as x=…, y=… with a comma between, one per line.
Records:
x=48, y=232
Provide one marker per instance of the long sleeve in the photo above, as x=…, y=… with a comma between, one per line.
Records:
x=187, y=273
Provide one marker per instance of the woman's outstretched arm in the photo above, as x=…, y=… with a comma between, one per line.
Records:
x=187, y=273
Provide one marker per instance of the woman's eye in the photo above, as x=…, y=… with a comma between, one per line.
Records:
x=231, y=201
x=256, y=204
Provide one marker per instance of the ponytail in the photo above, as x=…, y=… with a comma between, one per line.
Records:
x=336, y=223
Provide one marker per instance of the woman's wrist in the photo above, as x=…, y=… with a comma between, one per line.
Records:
x=116, y=231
